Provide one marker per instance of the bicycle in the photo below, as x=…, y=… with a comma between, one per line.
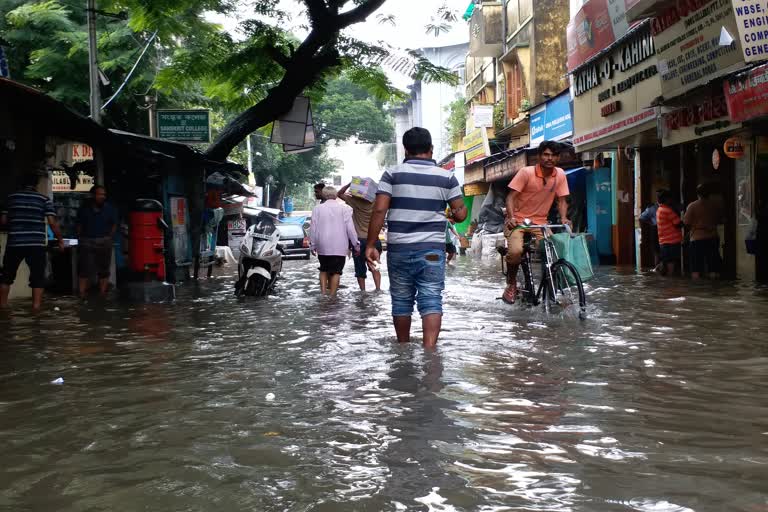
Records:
x=560, y=285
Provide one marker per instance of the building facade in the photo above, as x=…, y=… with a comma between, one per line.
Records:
x=429, y=101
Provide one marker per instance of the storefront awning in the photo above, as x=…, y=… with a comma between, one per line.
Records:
x=568, y=172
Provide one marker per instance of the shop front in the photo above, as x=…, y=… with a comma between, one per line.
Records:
x=698, y=49
x=746, y=95
x=54, y=150
x=615, y=122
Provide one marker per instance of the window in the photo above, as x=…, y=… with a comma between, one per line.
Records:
x=514, y=89
x=460, y=72
x=513, y=18
x=525, y=10
x=518, y=12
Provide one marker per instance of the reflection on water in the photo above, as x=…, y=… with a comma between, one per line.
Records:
x=659, y=402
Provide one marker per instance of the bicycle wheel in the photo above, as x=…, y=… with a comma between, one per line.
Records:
x=568, y=289
x=528, y=292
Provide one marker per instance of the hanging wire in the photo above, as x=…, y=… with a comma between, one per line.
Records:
x=130, y=73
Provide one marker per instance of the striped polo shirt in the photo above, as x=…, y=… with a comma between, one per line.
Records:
x=668, y=223
x=28, y=212
x=420, y=192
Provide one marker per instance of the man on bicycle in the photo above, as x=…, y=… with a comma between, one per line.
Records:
x=532, y=192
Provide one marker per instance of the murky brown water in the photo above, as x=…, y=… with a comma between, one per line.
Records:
x=658, y=403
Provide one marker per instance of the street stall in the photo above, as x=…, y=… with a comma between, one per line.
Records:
x=69, y=151
x=56, y=150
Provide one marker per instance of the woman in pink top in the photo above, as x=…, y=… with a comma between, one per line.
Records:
x=330, y=236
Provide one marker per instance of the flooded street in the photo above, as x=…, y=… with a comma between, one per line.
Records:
x=657, y=403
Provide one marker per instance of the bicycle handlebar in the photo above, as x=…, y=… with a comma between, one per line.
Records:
x=547, y=226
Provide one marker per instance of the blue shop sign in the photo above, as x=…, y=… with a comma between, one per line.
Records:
x=559, y=120
x=537, y=122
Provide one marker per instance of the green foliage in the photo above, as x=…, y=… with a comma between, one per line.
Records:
x=456, y=126
x=498, y=115
x=48, y=48
x=347, y=110
x=193, y=63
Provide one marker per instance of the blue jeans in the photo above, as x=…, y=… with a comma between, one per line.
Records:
x=416, y=276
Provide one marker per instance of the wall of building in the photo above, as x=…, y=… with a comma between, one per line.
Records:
x=428, y=102
x=550, y=17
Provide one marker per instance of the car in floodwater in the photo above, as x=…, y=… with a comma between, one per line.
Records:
x=294, y=241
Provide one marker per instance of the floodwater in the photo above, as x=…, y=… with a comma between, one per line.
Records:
x=657, y=403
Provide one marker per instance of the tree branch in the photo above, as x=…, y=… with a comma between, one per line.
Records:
x=358, y=14
x=318, y=11
x=278, y=56
x=318, y=53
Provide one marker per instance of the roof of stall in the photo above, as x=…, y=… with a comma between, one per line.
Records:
x=28, y=109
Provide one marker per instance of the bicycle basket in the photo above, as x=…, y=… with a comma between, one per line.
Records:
x=574, y=250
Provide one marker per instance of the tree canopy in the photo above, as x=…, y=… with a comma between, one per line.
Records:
x=248, y=79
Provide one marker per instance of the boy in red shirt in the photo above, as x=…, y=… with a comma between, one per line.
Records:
x=670, y=233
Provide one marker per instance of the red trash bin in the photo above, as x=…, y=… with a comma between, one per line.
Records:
x=146, y=235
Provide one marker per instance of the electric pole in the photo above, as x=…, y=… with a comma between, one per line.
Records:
x=151, y=102
x=93, y=75
x=93, y=69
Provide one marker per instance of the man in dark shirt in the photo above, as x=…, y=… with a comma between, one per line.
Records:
x=27, y=214
x=96, y=226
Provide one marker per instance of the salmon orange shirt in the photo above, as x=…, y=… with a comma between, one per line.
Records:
x=666, y=220
x=537, y=192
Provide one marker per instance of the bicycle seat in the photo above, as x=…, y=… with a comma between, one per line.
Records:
x=502, y=250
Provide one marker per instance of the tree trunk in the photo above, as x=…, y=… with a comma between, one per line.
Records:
x=277, y=193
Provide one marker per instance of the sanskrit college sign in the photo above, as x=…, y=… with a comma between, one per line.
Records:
x=184, y=125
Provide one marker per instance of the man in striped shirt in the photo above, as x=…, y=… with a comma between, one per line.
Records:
x=27, y=214
x=414, y=195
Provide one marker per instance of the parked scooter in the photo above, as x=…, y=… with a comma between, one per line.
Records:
x=261, y=258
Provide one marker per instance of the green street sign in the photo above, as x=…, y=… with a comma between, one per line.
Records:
x=184, y=125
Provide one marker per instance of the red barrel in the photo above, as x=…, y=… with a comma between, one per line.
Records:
x=146, y=253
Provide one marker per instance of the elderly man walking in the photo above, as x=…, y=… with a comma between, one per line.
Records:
x=331, y=233
x=415, y=194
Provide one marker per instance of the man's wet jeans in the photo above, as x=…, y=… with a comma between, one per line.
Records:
x=416, y=277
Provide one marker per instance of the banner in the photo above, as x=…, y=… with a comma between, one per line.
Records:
x=538, y=118
x=751, y=19
x=747, y=95
x=559, y=121
x=482, y=116
x=690, y=45
x=597, y=25
x=476, y=146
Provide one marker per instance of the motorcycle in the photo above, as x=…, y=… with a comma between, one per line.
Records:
x=261, y=258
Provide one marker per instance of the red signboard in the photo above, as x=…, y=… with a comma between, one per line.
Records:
x=597, y=25
x=747, y=95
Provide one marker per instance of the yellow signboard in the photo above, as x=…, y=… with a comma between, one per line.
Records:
x=476, y=146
